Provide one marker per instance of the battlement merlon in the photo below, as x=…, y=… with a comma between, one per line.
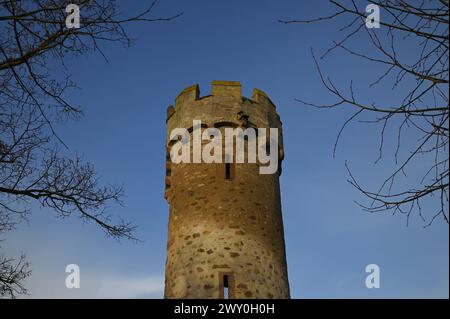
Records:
x=170, y=112
x=261, y=97
x=230, y=89
x=190, y=93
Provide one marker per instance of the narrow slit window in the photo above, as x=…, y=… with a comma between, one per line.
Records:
x=226, y=288
x=227, y=170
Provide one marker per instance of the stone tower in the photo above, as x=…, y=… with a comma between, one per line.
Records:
x=225, y=236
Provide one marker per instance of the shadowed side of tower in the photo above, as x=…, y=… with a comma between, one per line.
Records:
x=225, y=224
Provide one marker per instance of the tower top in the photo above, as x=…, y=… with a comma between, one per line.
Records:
x=226, y=89
x=225, y=104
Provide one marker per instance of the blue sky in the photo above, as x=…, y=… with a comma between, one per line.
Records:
x=329, y=239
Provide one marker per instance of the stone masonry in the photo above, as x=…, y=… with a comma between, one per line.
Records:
x=225, y=224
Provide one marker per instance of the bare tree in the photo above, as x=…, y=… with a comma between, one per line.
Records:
x=422, y=29
x=12, y=274
x=35, y=42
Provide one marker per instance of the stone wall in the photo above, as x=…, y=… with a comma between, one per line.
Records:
x=224, y=229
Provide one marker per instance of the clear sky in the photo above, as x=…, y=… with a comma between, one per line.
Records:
x=329, y=239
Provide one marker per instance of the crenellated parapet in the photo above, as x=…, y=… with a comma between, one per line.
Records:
x=223, y=105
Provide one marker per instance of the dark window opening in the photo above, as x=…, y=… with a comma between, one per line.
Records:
x=191, y=129
x=267, y=148
x=225, y=124
x=226, y=285
x=227, y=170
x=226, y=289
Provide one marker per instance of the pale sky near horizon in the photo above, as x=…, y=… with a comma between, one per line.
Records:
x=329, y=239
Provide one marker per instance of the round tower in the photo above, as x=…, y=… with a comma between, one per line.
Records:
x=225, y=236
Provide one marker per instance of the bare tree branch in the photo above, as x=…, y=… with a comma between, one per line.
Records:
x=34, y=46
x=423, y=111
